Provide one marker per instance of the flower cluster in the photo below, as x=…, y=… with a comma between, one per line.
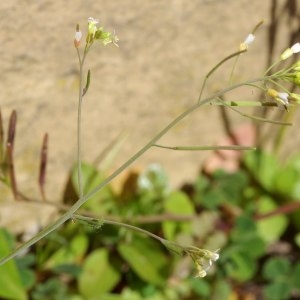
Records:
x=95, y=33
x=202, y=258
x=283, y=98
x=280, y=97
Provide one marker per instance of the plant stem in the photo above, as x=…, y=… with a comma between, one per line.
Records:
x=203, y=148
x=215, y=68
x=131, y=227
x=79, y=124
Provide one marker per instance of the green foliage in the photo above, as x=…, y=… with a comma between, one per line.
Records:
x=177, y=203
x=263, y=167
x=11, y=286
x=83, y=261
x=146, y=259
x=71, y=253
x=98, y=275
x=272, y=228
x=283, y=278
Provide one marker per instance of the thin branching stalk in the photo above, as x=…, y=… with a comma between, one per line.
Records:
x=70, y=213
x=79, y=124
x=204, y=148
x=9, y=153
x=254, y=118
x=1, y=140
x=215, y=68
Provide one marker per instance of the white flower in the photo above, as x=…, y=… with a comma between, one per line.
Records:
x=203, y=259
x=93, y=21
x=248, y=40
x=283, y=97
x=92, y=26
x=296, y=48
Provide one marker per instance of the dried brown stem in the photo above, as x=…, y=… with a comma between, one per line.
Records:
x=43, y=166
x=9, y=153
x=284, y=209
x=1, y=140
x=11, y=171
x=12, y=128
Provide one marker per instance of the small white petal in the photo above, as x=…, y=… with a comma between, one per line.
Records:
x=92, y=20
x=296, y=48
x=284, y=97
x=78, y=36
x=249, y=39
x=215, y=256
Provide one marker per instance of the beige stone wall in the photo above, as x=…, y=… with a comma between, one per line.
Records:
x=166, y=47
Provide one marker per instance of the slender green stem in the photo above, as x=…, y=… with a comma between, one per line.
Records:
x=79, y=124
x=233, y=69
x=271, y=67
x=280, y=86
x=203, y=148
x=172, y=246
x=282, y=131
x=131, y=227
x=215, y=68
x=259, y=119
x=244, y=103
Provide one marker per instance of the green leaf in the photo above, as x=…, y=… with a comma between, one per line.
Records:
x=177, y=203
x=276, y=268
x=26, y=273
x=221, y=290
x=98, y=275
x=213, y=198
x=277, y=291
x=200, y=287
x=51, y=289
x=146, y=259
x=111, y=297
x=263, y=166
x=241, y=267
x=297, y=239
x=11, y=286
x=244, y=228
x=287, y=182
x=288, y=179
x=231, y=185
x=71, y=253
x=270, y=229
x=296, y=277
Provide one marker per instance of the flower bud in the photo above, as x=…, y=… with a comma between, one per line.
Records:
x=248, y=40
x=290, y=51
x=295, y=97
x=77, y=37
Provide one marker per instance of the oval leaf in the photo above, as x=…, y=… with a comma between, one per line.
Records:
x=98, y=275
